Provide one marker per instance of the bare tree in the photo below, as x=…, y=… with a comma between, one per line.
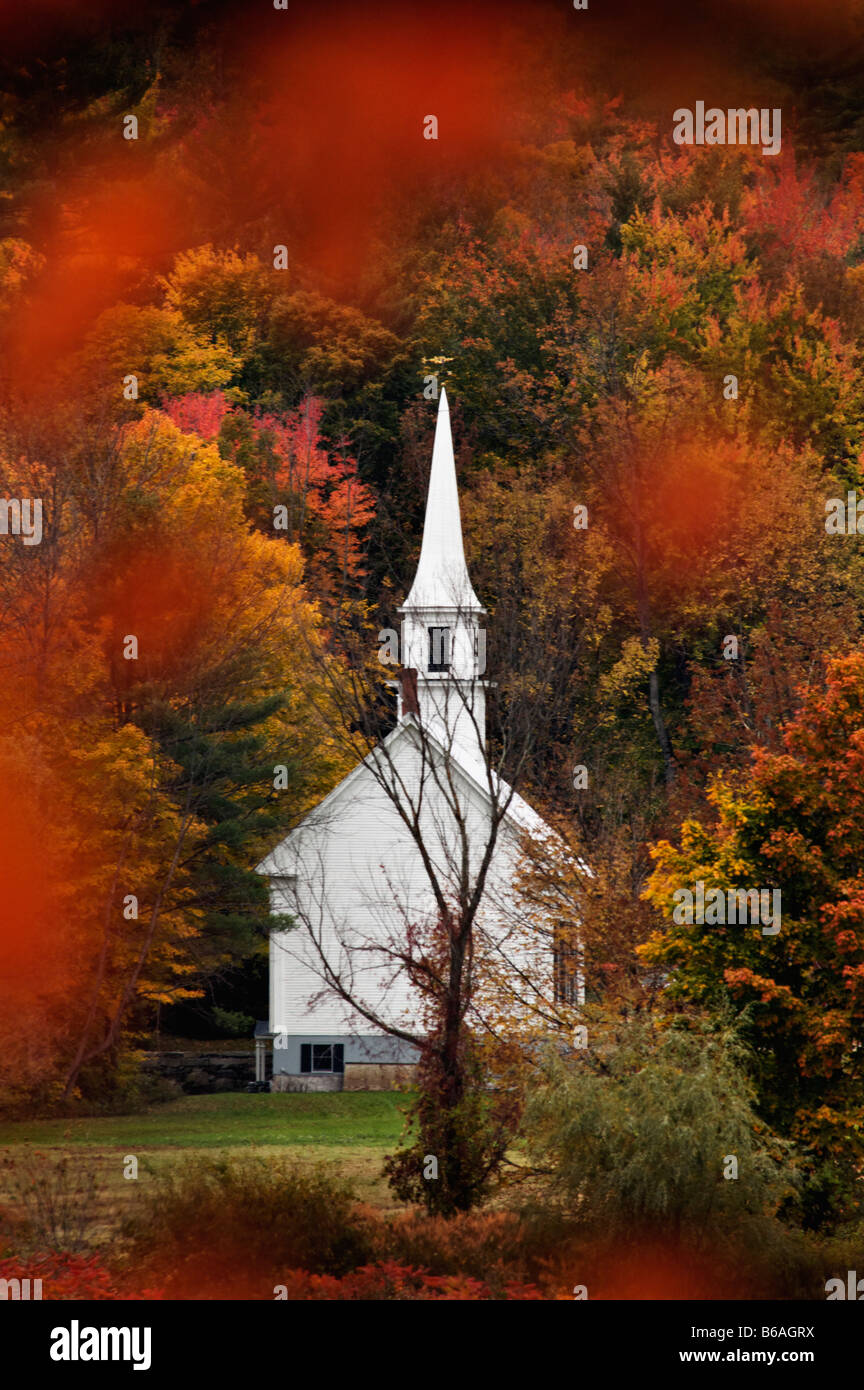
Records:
x=449, y=907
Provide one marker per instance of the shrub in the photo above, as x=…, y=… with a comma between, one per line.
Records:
x=232, y=1222
x=392, y=1281
x=635, y=1135
x=483, y=1245
x=68, y=1277
x=225, y=1227
x=56, y=1197
x=758, y=1258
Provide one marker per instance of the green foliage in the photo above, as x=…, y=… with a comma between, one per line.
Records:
x=159, y=348
x=635, y=1133
x=224, y=772
x=233, y=1025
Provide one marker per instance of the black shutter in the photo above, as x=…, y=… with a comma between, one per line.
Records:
x=305, y=1056
x=339, y=1057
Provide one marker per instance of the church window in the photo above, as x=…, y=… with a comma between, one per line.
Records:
x=566, y=966
x=322, y=1057
x=439, y=649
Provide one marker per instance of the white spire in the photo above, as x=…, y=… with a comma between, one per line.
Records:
x=442, y=645
x=442, y=579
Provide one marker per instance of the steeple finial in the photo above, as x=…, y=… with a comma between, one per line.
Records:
x=442, y=579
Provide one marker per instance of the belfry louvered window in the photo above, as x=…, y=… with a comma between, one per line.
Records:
x=439, y=649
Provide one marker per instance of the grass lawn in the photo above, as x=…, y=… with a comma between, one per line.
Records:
x=350, y=1131
x=365, y=1118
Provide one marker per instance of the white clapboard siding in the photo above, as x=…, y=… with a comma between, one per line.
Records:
x=354, y=877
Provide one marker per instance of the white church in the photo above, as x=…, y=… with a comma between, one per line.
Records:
x=364, y=876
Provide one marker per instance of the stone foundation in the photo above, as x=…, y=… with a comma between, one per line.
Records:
x=203, y=1073
x=379, y=1076
x=321, y=1081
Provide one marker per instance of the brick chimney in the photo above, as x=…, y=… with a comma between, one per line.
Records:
x=408, y=686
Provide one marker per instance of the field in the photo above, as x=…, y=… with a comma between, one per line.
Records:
x=348, y=1131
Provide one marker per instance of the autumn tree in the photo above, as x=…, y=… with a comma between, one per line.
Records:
x=794, y=824
x=150, y=637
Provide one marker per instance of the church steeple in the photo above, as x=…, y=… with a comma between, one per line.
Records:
x=442, y=575
x=441, y=639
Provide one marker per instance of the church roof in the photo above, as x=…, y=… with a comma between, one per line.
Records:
x=519, y=815
x=442, y=579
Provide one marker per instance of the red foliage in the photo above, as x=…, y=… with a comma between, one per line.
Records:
x=198, y=414
x=67, y=1278
x=788, y=211
x=327, y=496
x=329, y=486
x=391, y=1281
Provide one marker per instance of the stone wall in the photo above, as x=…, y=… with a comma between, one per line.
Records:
x=201, y=1073
x=379, y=1076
